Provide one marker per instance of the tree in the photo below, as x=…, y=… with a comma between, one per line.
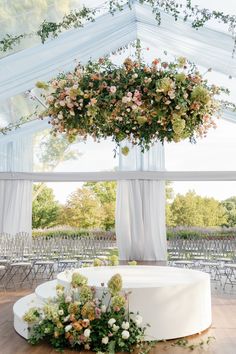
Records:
x=194, y=210
x=169, y=199
x=46, y=209
x=83, y=210
x=50, y=151
x=106, y=193
x=229, y=206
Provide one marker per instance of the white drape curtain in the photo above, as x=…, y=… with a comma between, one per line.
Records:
x=16, y=195
x=140, y=208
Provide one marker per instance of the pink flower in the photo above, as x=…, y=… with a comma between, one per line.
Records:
x=62, y=103
x=113, y=89
x=98, y=312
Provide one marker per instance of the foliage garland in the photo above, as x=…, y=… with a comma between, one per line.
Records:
x=196, y=15
x=135, y=101
x=13, y=126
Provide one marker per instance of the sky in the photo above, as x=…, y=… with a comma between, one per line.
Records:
x=216, y=152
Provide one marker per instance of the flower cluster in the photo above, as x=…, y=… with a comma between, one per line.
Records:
x=77, y=318
x=135, y=101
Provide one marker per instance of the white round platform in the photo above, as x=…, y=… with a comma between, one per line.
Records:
x=175, y=302
x=46, y=290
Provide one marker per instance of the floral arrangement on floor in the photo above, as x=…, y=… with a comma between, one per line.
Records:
x=134, y=101
x=80, y=319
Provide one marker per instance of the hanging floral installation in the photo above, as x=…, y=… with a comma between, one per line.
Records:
x=133, y=101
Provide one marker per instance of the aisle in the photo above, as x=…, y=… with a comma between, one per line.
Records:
x=223, y=329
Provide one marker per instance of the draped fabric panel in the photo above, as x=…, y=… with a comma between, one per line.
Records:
x=16, y=195
x=140, y=209
x=15, y=207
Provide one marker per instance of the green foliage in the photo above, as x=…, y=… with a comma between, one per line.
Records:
x=83, y=210
x=229, y=206
x=106, y=194
x=45, y=209
x=92, y=206
x=194, y=210
x=51, y=29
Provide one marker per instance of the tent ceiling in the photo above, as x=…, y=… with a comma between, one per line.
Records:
x=19, y=72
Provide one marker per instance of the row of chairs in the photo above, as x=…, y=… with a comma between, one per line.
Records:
x=25, y=260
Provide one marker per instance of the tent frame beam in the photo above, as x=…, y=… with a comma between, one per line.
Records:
x=120, y=175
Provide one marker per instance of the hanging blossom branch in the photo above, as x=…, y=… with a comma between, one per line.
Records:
x=187, y=12
x=49, y=29
x=13, y=126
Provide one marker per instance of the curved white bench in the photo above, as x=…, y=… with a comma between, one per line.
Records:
x=175, y=302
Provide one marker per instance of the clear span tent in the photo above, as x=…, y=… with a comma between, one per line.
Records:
x=140, y=214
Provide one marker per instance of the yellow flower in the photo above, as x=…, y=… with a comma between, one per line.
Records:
x=86, y=293
x=78, y=280
x=200, y=94
x=97, y=262
x=115, y=284
x=118, y=302
x=125, y=150
x=88, y=310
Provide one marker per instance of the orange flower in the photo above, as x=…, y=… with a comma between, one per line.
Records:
x=77, y=326
x=155, y=62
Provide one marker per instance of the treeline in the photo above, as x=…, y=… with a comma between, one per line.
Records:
x=93, y=207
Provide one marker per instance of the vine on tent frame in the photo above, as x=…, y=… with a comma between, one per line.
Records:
x=193, y=13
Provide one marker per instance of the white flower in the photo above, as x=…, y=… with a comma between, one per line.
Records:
x=66, y=318
x=105, y=340
x=138, y=320
x=113, y=89
x=86, y=346
x=68, y=299
x=87, y=332
x=125, y=325
x=125, y=334
x=111, y=321
x=86, y=322
x=103, y=308
x=61, y=312
x=115, y=328
x=68, y=328
x=125, y=99
x=60, y=292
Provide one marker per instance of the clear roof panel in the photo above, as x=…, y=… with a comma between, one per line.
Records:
x=56, y=154
x=17, y=107
x=216, y=152
x=25, y=16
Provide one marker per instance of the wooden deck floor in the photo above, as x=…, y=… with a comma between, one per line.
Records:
x=223, y=329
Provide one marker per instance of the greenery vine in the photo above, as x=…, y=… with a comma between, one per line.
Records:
x=13, y=126
x=76, y=18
